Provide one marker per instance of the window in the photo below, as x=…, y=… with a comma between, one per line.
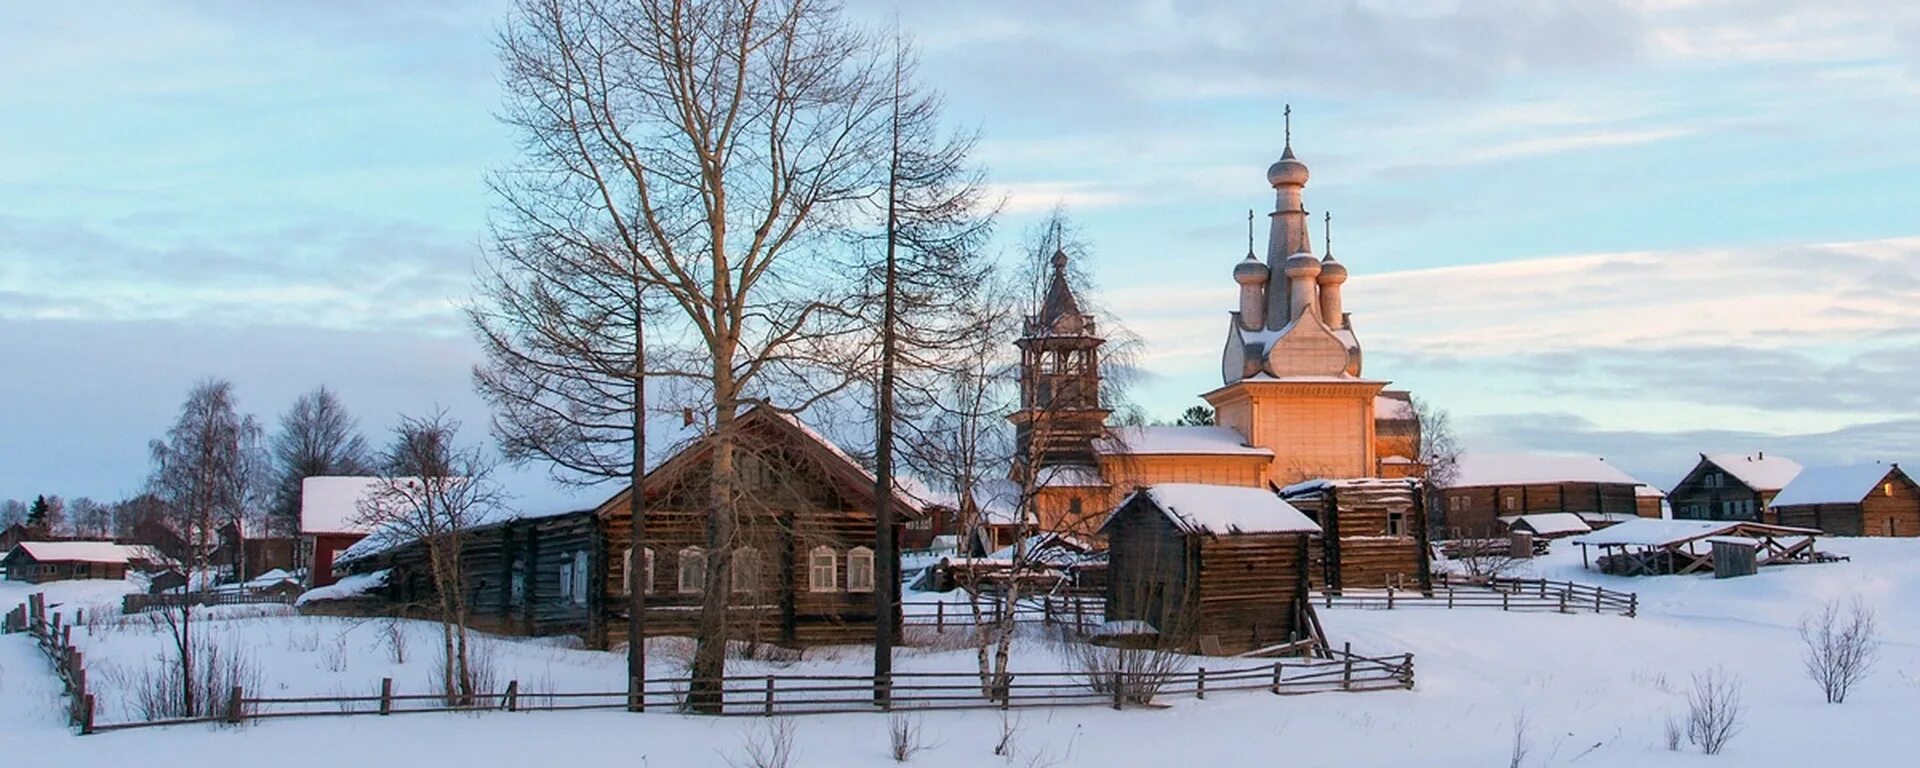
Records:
x=517, y=582
x=580, y=577
x=820, y=569
x=567, y=579
x=1886, y=489
x=746, y=569
x=646, y=570
x=1396, y=523
x=693, y=570
x=1512, y=502
x=860, y=570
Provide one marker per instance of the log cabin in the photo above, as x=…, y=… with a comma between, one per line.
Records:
x=1373, y=533
x=527, y=573
x=38, y=562
x=1218, y=568
x=1859, y=500
x=1489, y=489
x=803, y=570
x=1731, y=486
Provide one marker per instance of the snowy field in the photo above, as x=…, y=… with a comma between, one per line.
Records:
x=1593, y=690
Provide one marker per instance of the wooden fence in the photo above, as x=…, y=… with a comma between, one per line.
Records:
x=1080, y=613
x=1507, y=594
x=55, y=638
x=137, y=603
x=779, y=695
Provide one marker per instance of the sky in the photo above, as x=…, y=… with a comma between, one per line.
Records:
x=1640, y=229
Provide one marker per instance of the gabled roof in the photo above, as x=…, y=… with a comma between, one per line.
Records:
x=1221, y=510
x=1834, y=485
x=1759, y=472
x=1177, y=440
x=80, y=551
x=1656, y=532
x=1484, y=469
x=1549, y=523
x=331, y=503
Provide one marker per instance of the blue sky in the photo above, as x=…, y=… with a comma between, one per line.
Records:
x=1638, y=229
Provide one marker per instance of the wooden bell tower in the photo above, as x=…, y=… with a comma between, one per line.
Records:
x=1060, y=411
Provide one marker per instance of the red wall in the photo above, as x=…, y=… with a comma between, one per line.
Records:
x=325, y=546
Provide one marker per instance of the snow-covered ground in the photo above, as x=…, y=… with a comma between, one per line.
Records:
x=1593, y=690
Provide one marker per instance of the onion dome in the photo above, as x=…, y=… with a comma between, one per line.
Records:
x=1250, y=271
x=1302, y=265
x=1289, y=171
x=1332, y=272
x=1060, y=258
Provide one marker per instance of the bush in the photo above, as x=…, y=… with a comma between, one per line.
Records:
x=1840, y=650
x=155, y=691
x=1713, y=710
x=904, y=737
x=769, y=746
x=1139, y=673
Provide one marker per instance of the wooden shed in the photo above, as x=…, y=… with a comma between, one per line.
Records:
x=1218, y=568
x=1373, y=533
x=1859, y=500
x=804, y=570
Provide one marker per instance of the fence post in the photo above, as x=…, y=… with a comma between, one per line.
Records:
x=1046, y=610
x=1407, y=670
x=1328, y=594
x=1449, y=597
x=1119, y=697
x=767, y=708
x=1633, y=605
x=939, y=618
x=1389, y=597
x=1505, y=597
x=1563, y=602
x=86, y=714
x=1200, y=684
x=1006, y=693
x=1276, y=678
x=1596, y=600
x=636, y=694
x=1346, y=676
x=386, y=695
x=233, y=706
x=1079, y=615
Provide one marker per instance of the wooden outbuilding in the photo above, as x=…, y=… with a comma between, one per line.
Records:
x=39, y=562
x=1488, y=487
x=1373, y=533
x=1219, y=568
x=527, y=573
x=1650, y=547
x=1859, y=500
x=803, y=559
x=330, y=521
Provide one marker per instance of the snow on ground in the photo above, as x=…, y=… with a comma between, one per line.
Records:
x=1594, y=690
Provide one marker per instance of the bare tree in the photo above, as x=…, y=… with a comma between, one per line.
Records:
x=89, y=519
x=712, y=143
x=317, y=437
x=1438, y=451
x=431, y=490
x=12, y=512
x=1840, y=648
x=205, y=473
x=1714, y=710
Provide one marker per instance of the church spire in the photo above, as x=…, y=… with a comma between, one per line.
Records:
x=1287, y=231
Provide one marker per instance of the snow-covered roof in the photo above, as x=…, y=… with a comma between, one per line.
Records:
x=82, y=551
x=1225, y=509
x=346, y=588
x=925, y=495
x=1550, y=523
x=1211, y=440
x=1652, y=532
x=1648, y=492
x=1759, y=472
x=1483, y=469
x=331, y=503
x=1392, y=408
x=1069, y=476
x=396, y=534
x=1832, y=485
x=1608, y=517
x=1739, y=540
x=271, y=578
x=1320, y=484
x=997, y=501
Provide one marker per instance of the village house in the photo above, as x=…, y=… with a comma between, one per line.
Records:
x=330, y=521
x=1731, y=486
x=1373, y=533
x=254, y=549
x=39, y=562
x=1858, y=500
x=1490, y=491
x=803, y=559
x=1216, y=568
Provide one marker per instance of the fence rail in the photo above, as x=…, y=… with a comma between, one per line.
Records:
x=1081, y=613
x=1507, y=594
x=137, y=603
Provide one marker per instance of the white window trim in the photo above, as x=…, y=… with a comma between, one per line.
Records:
x=691, y=555
x=745, y=556
x=822, y=558
x=646, y=570
x=855, y=571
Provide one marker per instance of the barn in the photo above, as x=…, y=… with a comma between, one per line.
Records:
x=1489, y=490
x=330, y=521
x=1373, y=533
x=1218, y=568
x=1858, y=500
x=39, y=562
x=803, y=561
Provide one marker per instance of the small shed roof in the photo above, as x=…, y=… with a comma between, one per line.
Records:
x=1655, y=532
x=1484, y=469
x=1224, y=509
x=80, y=551
x=1649, y=492
x=1208, y=440
x=1833, y=485
x=1759, y=471
x=1549, y=523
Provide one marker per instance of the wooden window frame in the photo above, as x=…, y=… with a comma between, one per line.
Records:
x=646, y=570
x=854, y=571
x=819, y=558
x=692, y=555
x=745, y=579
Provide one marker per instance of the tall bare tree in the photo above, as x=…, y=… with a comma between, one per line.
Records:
x=206, y=472
x=711, y=143
x=431, y=490
x=1439, y=452
x=317, y=437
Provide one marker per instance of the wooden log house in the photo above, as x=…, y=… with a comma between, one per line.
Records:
x=1731, y=486
x=1489, y=490
x=803, y=560
x=1859, y=500
x=1373, y=533
x=38, y=562
x=1219, y=568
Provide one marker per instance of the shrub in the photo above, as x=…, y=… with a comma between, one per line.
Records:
x=1713, y=710
x=1840, y=649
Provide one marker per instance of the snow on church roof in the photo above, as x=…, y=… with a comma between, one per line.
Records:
x=1832, y=485
x=1482, y=469
x=1224, y=509
x=1177, y=440
x=1759, y=472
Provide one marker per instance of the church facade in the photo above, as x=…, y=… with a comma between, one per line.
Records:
x=1294, y=403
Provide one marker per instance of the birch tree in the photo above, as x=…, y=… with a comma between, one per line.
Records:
x=717, y=146
x=317, y=437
